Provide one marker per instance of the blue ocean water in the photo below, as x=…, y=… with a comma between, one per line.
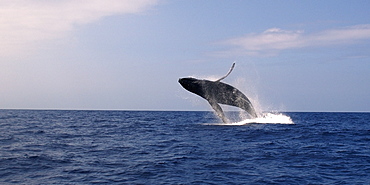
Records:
x=163, y=147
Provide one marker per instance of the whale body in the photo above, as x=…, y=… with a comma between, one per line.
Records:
x=216, y=92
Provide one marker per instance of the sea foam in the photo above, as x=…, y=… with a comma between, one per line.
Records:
x=264, y=118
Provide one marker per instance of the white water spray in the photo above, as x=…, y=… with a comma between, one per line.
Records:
x=264, y=118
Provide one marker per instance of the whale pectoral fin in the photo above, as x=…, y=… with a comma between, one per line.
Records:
x=231, y=69
x=219, y=111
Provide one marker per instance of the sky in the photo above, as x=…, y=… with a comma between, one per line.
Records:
x=129, y=54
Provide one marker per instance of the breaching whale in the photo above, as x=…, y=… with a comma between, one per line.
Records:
x=218, y=92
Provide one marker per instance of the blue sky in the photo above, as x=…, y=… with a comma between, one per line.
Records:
x=128, y=55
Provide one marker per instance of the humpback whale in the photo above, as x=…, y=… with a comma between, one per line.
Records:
x=216, y=92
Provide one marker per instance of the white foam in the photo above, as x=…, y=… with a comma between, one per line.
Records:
x=265, y=118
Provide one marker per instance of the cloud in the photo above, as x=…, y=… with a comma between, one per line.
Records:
x=274, y=40
x=26, y=22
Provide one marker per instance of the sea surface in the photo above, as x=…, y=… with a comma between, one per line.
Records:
x=164, y=147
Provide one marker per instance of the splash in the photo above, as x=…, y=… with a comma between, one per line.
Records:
x=265, y=118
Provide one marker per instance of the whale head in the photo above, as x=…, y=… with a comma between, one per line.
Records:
x=191, y=84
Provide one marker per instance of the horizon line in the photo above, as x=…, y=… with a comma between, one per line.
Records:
x=175, y=110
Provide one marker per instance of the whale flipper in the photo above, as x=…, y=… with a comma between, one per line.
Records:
x=231, y=69
x=219, y=111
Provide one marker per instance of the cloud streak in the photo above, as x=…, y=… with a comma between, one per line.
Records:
x=273, y=40
x=26, y=22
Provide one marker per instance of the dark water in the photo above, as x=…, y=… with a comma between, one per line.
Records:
x=128, y=147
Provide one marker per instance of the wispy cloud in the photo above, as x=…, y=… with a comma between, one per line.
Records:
x=273, y=40
x=25, y=22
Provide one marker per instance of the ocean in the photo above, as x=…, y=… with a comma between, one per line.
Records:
x=179, y=147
